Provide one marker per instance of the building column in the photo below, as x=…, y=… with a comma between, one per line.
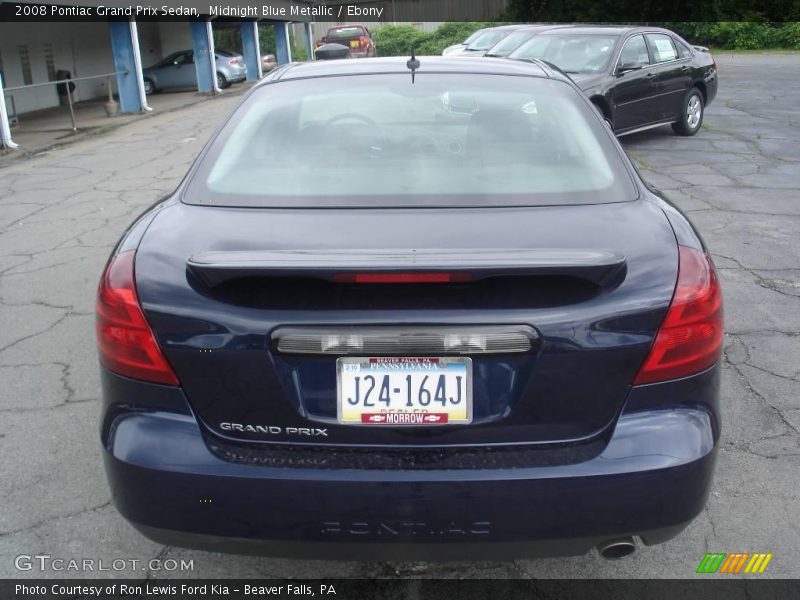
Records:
x=5, y=128
x=204, y=60
x=128, y=64
x=283, y=49
x=251, y=50
x=309, y=27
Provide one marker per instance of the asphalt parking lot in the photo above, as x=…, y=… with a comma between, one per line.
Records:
x=62, y=211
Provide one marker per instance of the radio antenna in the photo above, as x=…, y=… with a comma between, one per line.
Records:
x=412, y=64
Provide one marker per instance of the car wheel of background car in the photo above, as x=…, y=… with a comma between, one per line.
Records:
x=222, y=82
x=602, y=112
x=149, y=88
x=692, y=114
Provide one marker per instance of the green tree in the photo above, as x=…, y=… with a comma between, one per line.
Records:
x=227, y=38
x=230, y=38
x=266, y=38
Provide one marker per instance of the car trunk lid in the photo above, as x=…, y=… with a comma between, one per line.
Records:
x=589, y=286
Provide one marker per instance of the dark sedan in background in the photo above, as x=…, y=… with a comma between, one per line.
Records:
x=356, y=37
x=638, y=77
x=474, y=334
x=515, y=39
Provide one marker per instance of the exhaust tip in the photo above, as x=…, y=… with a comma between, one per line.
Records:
x=617, y=548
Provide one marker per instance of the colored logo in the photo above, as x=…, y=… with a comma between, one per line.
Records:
x=734, y=563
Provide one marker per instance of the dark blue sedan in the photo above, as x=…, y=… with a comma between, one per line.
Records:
x=411, y=309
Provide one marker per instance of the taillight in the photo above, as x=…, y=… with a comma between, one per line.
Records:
x=234, y=61
x=690, y=338
x=435, y=277
x=124, y=339
x=362, y=42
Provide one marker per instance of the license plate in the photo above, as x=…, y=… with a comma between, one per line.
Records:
x=354, y=43
x=404, y=390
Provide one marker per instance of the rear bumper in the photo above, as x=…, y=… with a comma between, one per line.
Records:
x=393, y=551
x=234, y=75
x=651, y=480
x=712, y=83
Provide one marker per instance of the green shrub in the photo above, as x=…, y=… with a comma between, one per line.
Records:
x=449, y=34
x=788, y=35
x=744, y=35
x=740, y=35
x=398, y=40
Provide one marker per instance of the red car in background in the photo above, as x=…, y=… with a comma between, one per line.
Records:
x=356, y=37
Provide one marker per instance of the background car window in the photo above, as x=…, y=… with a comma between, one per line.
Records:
x=169, y=60
x=508, y=43
x=187, y=58
x=473, y=37
x=683, y=50
x=662, y=47
x=487, y=39
x=379, y=140
x=572, y=53
x=345, y=32
x=634, y=53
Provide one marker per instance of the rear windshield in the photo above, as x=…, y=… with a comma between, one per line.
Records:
x=345, y=32
x=379, y=140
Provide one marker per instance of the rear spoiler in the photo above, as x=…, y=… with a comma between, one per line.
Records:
x=600, y=267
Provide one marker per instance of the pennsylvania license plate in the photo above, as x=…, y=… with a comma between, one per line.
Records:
x=354, y=43
x=404, y=390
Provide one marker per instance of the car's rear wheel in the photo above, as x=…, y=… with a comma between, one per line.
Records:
x=149, y=88
x=603, y=113
x=222, y=81
x=691, y=117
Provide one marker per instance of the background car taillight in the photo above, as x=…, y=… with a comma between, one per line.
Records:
x=234, y=61
x=362, y=42
x=124, y=339
x=690, y=338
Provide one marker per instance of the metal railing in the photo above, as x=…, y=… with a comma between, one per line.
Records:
x=70, y=102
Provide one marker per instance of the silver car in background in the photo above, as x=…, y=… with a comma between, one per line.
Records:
x=488, y=38
x=178, y=71
x=462, y=45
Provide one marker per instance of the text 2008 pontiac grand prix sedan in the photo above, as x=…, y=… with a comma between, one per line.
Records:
x=411, y=313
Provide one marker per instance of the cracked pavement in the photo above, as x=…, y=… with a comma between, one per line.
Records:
x=62, y=211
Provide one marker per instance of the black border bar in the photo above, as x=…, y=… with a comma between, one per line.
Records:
x=389, y=11
x=704, y=587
